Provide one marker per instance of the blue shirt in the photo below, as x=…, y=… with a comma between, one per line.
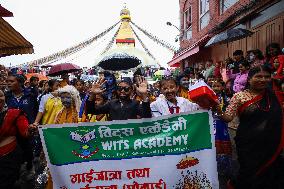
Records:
x=27, y=103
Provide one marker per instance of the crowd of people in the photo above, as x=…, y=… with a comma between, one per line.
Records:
x=248, y=87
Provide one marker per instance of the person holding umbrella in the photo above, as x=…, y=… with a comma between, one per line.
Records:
x=65, y=80
x=124, y=107
x=63, y=70
x=238, y=58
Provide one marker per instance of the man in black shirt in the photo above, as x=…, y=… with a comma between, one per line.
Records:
x=124, y=107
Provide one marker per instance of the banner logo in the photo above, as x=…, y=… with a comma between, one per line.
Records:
x=86, y=139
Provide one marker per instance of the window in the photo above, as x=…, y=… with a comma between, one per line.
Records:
x=268, y=13
x=226, y=4
x=188, y=33
x=204, y=16
x=187, y=29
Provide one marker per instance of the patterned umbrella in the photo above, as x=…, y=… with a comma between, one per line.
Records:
x=228, y=36
x=119, y=61
x=63, y=68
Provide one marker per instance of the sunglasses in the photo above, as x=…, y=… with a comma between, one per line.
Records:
x=126, y=89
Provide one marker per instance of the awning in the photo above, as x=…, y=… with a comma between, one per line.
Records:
x=176, y=65
x=193, y=49
x=184, y=55
x=5, y=13
x=12, y=42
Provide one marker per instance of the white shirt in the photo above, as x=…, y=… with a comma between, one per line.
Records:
x=161, y=106
x=43, y=100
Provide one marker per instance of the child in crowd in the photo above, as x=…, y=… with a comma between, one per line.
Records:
x=222, y=137
x=210, y=80
x=100, y=100
x=80, y=86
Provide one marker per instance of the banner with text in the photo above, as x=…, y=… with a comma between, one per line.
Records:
x=174, y=151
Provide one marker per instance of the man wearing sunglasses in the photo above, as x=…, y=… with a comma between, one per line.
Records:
x=124, y=107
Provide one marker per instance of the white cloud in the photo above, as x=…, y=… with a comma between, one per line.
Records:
x=54, y=25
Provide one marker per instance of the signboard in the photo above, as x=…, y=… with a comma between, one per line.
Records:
x=174, y=151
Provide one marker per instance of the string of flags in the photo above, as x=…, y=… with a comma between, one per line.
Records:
x=144, y=46
x=111, y=42
x=156, y=39
x=69, y=51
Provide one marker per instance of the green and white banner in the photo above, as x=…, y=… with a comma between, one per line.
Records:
x=174, y=151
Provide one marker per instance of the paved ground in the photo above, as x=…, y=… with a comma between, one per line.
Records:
x=29, y=180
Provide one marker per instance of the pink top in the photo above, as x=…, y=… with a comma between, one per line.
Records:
x=240, y=82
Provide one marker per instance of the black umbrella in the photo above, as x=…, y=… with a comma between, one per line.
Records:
x=229, y=35
x=119, y=61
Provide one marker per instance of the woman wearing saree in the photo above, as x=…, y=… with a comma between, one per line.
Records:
x=259, y=138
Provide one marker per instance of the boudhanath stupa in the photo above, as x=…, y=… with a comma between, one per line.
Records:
x=125, y=42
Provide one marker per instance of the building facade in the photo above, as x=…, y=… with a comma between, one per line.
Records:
x=203, y=19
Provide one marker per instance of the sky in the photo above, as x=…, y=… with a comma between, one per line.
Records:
x=55, y=25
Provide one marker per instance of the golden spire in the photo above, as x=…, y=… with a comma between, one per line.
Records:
x=125, y=35
x=125, y=13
